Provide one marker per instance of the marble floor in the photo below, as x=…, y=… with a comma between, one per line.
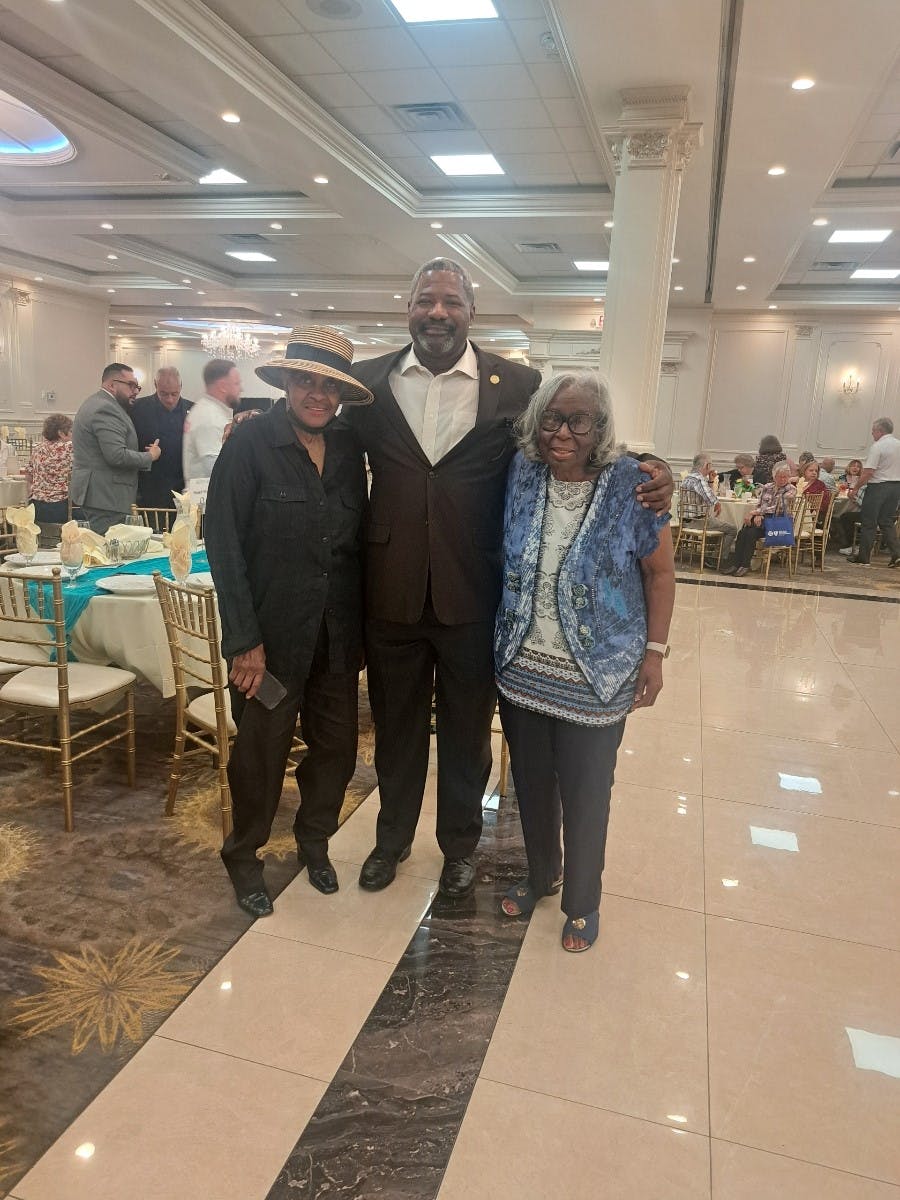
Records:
x=734, y=1033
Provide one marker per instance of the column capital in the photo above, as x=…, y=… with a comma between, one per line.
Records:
x=653, y=130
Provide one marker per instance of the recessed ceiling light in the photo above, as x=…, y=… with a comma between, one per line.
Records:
x=436, y=225
x=112, y=257
x=331, y=308
x=741, y=287
x=231, y=118
x=773, y=306
x=379, y=324
x=820, y=221
x=278, y=314
x=476, y=285
x=415, y=12
x=86, y=1149
x=803, y=84
x=860, y=235
x=772, y=171
x=220, y=175
x=38, y=279
x=199, y=293
x=295, y=294
x=870, y=273
x=598, y=299
x=250, y=256
x=749, y=258
x=676, y=260
x=106, y=225
x=607, y=224
x=276, y=225
x=584, y=264
x=677, y=288
x=111, y=291
x=397, y=296
x=185, y=281
x=467, y=164
x=168, y=304
x=320, y=179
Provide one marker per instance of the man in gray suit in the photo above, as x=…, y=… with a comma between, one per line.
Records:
x=105, y=455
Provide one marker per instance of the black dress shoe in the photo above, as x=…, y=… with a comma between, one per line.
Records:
x=257, y=904
x=322, y=874
x=457, y=877
x=380, y=868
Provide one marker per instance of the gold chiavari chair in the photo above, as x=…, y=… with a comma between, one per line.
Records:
x=33, y=627
x=797, y=509
x=815, y=538
x=696, y=537
x=160, y=520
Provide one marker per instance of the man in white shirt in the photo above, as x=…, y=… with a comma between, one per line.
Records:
x=881, y=479
x=205, y=424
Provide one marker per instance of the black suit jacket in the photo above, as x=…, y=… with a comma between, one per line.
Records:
x=441, y=522
x=152, y=421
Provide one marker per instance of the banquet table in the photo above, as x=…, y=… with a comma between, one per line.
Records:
x=734, y=511
x=127, y=630
x=13, y=492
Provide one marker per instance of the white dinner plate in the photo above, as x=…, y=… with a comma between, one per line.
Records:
x=200, y=579
x=128, y=585
x=42, y=558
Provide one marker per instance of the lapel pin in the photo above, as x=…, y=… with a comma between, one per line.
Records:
x=495, y=379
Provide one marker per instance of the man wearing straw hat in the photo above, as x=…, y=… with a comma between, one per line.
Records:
x=439, y=440
x=284, y=511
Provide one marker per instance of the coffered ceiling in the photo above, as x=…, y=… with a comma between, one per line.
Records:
x=347, y=92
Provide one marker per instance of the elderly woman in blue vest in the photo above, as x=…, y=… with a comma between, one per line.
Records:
x=588, y=589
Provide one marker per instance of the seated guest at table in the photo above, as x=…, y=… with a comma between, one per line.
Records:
x=770, y=452
x=161, y=417
x=106, y=460
x=773, y=500
x=826, y=474
x=284, y=512
x=588, y=590
x=743, y=470
x=810, y=484
x=852, y=472
x=843, y=527
x=50, y=470
x=696, y=499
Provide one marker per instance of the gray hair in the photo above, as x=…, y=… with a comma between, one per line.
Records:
x=527, y=427
x=744, y=460
x=700, y=459
x=781, y=468
x=884, y=424
x=167, y=373
x=452, y=268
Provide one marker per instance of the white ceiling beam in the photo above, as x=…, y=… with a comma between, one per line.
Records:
x=54, y=96
x=167, y=208
x=159, y=256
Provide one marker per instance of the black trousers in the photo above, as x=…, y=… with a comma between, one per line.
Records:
x=327, y=706
x=879, y=511
x=407, y=664
x=745, y=546
x=842, y=528
x=563, y=775
x=54, y=511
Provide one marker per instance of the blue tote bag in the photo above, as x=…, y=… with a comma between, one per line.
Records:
x=779, y=532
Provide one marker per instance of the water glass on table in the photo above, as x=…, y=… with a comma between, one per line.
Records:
x=71, y=555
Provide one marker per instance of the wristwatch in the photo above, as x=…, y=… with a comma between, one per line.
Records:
x=659, y=648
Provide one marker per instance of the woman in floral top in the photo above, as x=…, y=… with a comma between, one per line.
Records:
x=774, y=500
x=50, y=470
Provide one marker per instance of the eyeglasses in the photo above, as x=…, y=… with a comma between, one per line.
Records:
x=579, y=423
x=132, y=383
x=331, y=387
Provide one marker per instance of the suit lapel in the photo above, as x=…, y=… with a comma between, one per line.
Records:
x=490, y=384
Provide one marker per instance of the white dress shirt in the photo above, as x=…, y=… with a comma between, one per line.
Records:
x=203, y=430
x=439, y=409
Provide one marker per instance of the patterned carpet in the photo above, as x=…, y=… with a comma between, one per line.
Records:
x=104, y=931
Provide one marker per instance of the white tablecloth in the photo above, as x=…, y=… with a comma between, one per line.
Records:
x=13, y=492
x=734, y=511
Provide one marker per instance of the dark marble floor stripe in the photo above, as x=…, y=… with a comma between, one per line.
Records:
x=388, y=1121
x=793, y=591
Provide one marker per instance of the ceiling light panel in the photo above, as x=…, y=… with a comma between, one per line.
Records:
x=875, y=273
x=467, y=164
x=250, y=256
x=591, y=265
x=415, y=12
x=220, y=175
x=860, y=235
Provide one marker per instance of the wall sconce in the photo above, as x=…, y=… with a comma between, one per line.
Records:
x=850, y=382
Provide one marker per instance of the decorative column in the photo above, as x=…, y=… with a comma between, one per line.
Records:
x=651, y=145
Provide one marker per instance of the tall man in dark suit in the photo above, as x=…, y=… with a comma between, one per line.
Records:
x=106, y=460
x=161, y=417
x=439, y=441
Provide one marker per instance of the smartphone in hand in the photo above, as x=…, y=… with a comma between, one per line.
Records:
x=271, y=691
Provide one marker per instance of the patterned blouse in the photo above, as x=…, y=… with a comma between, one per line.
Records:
x=51, y=469
x=544, y=656
x=773, y=500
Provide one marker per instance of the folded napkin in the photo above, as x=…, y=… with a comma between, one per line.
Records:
x=93, y=547
x=128, y=533
x=27, y=532
x=187, y=508
x=180, y=549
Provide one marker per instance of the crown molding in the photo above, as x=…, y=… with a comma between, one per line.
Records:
x=865, y=199
x=212, y=37
x=63, y=101
x=847, y=294
x=172, y=208
x=467, y=248
x=159, y=256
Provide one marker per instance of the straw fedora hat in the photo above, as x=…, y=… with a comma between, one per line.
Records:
x=321, y=351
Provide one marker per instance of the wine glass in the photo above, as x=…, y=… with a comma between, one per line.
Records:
x=26, y=544
x=71, y=555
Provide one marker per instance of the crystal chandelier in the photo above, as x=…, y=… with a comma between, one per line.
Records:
x=230, y=341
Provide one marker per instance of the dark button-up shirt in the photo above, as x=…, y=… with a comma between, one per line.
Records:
x=153, y=420
x=284, y=545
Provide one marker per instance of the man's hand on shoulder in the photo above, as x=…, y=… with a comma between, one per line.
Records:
x=656, y=492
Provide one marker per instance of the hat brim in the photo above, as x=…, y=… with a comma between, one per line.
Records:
x=278, y=372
